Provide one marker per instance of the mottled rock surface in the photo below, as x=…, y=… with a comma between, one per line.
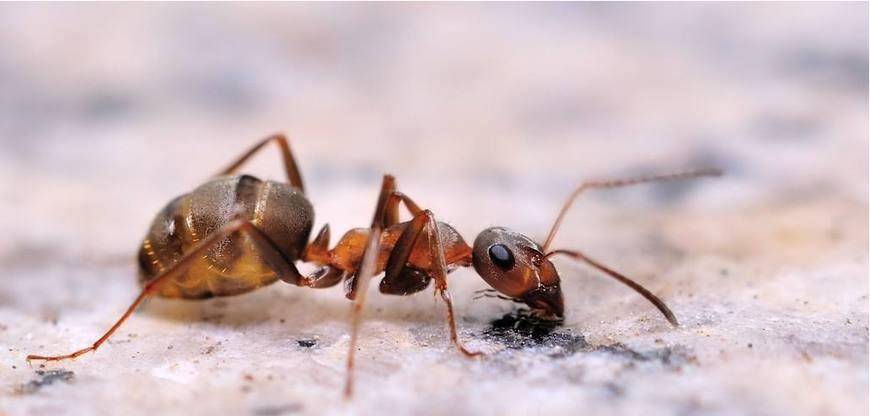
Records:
x=488, y=115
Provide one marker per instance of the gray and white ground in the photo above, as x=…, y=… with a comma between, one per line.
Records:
x=488, y=115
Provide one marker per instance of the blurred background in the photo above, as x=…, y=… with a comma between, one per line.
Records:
x=488, y=115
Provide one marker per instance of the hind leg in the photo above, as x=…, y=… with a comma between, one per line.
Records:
x=270, y=252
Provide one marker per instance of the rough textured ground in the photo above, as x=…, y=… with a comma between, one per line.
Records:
x=488, y=115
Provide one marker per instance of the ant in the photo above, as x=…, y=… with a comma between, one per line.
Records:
x=236, y=233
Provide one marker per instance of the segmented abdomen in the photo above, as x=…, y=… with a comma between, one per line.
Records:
x=232, y=266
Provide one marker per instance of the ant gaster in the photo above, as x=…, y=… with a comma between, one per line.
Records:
x=236, y=233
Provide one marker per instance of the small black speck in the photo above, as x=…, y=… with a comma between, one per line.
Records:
x=169, y=347
x=614, y=389
x=278, y=410
x=749, y=345
x=307, y=343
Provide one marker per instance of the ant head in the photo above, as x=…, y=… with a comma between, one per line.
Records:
x=515, y=265
x=520, y=269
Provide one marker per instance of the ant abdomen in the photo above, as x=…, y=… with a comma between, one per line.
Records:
x=234, y=265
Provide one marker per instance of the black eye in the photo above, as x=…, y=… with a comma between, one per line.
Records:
x=501, y=256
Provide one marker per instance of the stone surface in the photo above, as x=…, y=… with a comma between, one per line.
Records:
x=488, y=115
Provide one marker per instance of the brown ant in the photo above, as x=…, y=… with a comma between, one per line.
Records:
x=236, y=233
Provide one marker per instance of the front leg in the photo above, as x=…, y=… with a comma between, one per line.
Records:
x=401, y=279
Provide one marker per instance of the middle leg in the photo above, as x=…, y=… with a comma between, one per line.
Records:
x=391, y=215
x=364, y=274
x=402, y=279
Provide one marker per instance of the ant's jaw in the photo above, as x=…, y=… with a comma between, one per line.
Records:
x=546, y=296
x=546, y=301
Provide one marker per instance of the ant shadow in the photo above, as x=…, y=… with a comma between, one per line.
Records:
x=314, y=318
x=290, y=305
x=297, y=311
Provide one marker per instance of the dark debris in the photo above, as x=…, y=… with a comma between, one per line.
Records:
x=520, y=330
x=46, y=378
x=669, y=356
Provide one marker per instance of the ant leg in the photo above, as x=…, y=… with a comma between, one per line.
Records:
x=318, y=250
x=273, y=258
x=326, y=276
x=605, y=184
x=391, y=217
x=669, y=315
x=388, y=187
x=396, y=268
x=398, y=278
x=293, y=175
x=436, y=246
x=272, y=255
x=364, y=275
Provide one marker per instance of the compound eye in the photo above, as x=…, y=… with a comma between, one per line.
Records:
x=501, y=256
